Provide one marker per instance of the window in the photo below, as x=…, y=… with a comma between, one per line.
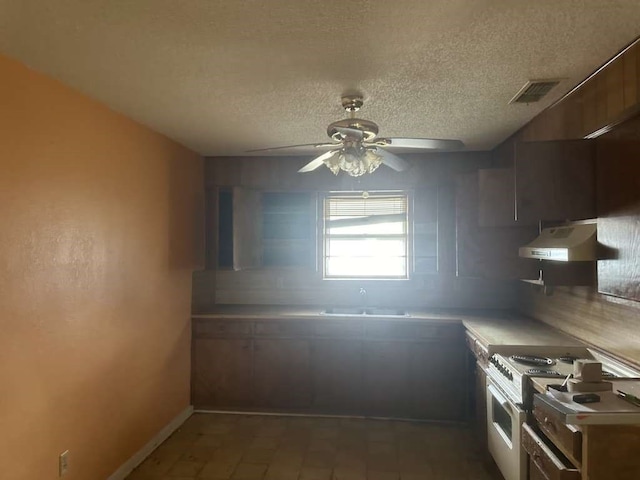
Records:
x=365, y=235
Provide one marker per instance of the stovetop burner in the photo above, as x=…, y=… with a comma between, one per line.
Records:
x=533, y=360
x=540, y=372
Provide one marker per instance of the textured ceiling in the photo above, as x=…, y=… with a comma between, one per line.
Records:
x=223, y=76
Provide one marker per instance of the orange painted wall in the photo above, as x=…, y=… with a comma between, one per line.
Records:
x=98, y=239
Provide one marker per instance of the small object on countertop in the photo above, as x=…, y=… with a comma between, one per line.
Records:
x=586, y=398
x=587, y=370
x=579, y=386
x=564, y=384
x=627, y=397
x=557, y=387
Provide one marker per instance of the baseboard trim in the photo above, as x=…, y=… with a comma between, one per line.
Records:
x=127, y=467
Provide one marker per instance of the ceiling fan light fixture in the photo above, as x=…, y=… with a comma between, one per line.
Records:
x=353, y=162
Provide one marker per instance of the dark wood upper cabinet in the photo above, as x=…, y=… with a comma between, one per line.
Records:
x=247, y=228
x=488, y=252
x=619, y=217
x=497, y=198
x=288, y=229
x=251, y=228
x=538, y=181
x=555, y=181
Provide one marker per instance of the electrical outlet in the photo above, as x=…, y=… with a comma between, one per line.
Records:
x=63, y=463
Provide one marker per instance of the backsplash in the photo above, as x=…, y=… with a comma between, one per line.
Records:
x=606, y=322
x=304, y=287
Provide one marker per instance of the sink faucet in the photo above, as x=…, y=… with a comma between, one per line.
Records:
x=363, y=297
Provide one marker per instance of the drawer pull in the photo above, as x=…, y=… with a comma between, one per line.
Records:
x=549, y=424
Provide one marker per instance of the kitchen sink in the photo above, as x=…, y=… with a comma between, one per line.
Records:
x=359, y=311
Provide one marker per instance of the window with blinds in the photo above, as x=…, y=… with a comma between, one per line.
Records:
x=366, y=235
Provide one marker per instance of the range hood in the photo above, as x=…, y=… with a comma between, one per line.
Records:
x=571, y=243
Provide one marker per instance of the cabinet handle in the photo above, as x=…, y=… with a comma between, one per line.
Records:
x=549, y=424
x=537, y=459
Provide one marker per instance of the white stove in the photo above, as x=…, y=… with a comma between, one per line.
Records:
x=510, y=393
x=510, y=370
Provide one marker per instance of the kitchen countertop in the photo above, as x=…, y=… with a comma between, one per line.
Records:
x=271, y=312
x=610, y=410
x=491, y=328
x=493, y=331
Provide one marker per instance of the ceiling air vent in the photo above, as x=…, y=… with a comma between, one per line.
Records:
x=534, y=90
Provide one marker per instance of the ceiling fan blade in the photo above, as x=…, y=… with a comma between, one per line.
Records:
x=421, y=143
x=292, y=147
x=350, y=132
x=317, y=162
x=392, y=161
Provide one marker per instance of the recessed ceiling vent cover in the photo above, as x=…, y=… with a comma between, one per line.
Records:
x=534, y=90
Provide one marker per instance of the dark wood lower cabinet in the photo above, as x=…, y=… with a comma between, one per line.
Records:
x=416, y=379
x=386, y=379
x=222, y=372
x=388, y=369
x=337, y=375
x=282, y=373
x=437, y=374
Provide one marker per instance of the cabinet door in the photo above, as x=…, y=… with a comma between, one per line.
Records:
x=619, y=217
x=555, y=180
x=488, y=252
x=386, y=378
x=221, y=372
x=282, y=373
x=247, y=228
x=497, y=189
x=337, y=375
x=437, y=386
x=497, y=198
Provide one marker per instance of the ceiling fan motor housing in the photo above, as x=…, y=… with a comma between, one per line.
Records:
x=368, y=128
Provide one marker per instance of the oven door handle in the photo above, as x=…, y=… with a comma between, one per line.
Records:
x=504, y=403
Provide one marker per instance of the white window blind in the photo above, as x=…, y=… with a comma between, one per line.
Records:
x=366, y=236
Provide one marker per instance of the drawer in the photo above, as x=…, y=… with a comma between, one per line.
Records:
x=411, y=331
x=566, y=437
x=478, y=350
x=338, y=328
x=221, y=328
x=285, y=328
x=548, y=464
x=471, y=342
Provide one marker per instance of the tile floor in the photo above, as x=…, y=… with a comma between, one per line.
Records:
x=253, y=447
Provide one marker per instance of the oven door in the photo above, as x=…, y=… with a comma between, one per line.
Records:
x=504, y=424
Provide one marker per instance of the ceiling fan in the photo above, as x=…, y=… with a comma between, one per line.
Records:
x=356, y=148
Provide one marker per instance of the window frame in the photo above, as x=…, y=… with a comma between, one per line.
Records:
x=322, y=238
